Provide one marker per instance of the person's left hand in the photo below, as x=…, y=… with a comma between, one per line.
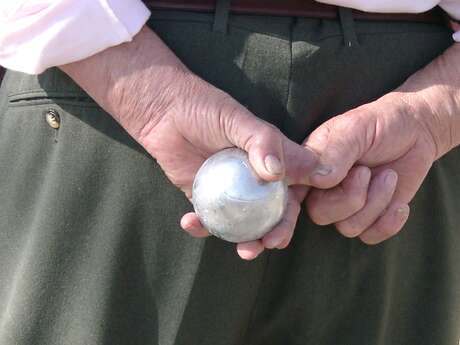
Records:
x=380, y=153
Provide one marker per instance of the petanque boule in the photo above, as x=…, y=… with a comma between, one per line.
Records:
x=232, y=202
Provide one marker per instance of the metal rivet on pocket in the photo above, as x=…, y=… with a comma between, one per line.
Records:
x=53, y=118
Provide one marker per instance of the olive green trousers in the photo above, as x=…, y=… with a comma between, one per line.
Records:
x=91, y=251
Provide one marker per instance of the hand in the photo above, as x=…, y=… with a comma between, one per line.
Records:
x=181, y=120
x=381, y=152
x=206, y=120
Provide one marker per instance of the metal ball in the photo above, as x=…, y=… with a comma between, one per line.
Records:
x=232, y=202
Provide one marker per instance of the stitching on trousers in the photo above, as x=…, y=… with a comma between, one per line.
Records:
x=252, y=313
x=291, y=62
x=348, y=27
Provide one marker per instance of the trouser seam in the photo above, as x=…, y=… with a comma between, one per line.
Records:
x=252, y=313
x=291, y=62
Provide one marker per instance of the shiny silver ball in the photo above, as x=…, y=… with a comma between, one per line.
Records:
x=232, y=202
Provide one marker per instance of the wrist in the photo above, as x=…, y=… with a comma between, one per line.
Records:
x=432, y=97
x=427, y=126
x=134, y=82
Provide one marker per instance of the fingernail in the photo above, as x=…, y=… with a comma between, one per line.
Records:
x=403, y=211
x=273, y=165
x=191, y=228
x=323, y=170
x=456, y=36
x=281, y=245
x=390, y=179
x=272, y=242
x=247, y=255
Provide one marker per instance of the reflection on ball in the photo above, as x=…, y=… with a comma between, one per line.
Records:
x=231, y=200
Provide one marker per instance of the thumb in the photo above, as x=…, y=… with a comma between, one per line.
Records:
x=272, y=155
x=340, y=143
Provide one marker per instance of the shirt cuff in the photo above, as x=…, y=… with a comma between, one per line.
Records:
x=452, y=8
x=37, y=35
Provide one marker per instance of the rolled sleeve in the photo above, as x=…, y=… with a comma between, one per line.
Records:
x=38, y=34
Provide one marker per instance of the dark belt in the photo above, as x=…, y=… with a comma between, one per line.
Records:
x=295, y=8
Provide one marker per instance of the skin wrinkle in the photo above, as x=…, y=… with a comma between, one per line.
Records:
x=414, y=125
x=355, y=225
x=341, y=130
x=178, y=269
x=428, y=127
x=112, y=95
x=438, y=90
x=160, y=106
x=176, y=120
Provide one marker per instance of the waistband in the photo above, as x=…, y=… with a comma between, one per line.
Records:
x=295, y=8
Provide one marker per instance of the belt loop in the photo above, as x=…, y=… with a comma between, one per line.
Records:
x=348, y=27
x=221, y=16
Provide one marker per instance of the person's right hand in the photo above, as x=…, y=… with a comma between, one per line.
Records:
x=203, y=120
x=181, y=120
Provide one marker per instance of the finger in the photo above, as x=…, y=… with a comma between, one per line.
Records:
x=339, y=203
x=266, y=146
x=339, y=142
x=300, y=163
x=249, y=250
x=409, y=181
x=388, y=225
x=412, y=169
x=192, y=225
x=282, y=233
x=262, y=141
x=381, y=191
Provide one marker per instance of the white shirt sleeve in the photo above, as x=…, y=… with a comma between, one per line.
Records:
x=452, y=7
x=38, y=34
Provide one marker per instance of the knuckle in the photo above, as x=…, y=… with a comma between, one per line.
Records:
x=363, y=127
x=264, y=133
x=269, y=131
